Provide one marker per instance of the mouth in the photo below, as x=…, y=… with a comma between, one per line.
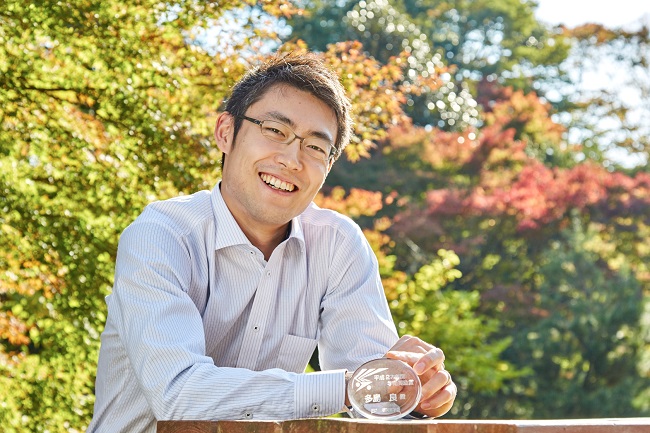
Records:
x=276, y=183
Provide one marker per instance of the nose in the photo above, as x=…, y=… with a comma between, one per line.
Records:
x=289, y=154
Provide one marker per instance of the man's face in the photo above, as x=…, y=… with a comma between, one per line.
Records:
x=265, y=184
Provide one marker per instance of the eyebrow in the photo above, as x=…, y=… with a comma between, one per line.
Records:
x=276, y=115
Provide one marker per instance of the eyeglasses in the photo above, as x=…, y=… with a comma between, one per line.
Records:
x=316, y=147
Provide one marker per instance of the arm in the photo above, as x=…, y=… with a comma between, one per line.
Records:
x=356, y=324
x=161, y=331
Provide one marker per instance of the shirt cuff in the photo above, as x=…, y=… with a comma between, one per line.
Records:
x=320, y=394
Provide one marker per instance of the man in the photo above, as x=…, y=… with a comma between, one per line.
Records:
x=220, y=298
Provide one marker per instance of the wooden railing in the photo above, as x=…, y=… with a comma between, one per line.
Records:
x=342, y=425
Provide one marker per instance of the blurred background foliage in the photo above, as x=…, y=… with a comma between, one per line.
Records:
x=508, y=204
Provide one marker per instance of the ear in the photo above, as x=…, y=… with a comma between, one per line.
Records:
x=224, y=131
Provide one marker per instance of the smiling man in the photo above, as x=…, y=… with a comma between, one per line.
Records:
x=220, y=298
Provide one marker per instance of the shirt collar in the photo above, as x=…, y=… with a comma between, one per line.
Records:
x=297, y=232
x=228, y=232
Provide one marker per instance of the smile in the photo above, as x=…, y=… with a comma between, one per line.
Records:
x=276, y=183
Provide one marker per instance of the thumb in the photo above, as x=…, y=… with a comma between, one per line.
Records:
x=408, y=357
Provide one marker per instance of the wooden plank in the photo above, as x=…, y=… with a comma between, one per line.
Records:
x=341, y=425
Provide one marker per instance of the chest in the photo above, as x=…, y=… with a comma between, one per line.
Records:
x=260, y=315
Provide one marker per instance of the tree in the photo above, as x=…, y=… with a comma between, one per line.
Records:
x=505, y=213
x=476, y=40
x=423, y=304
x=386, y=31
x=105, y=107
x=500, y=198
x=585, y=345
x=503, y=193
x=604, y=107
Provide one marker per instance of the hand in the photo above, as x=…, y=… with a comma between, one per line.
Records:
x=438, y=390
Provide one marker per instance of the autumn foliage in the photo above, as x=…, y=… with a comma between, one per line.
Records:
x=520, y=250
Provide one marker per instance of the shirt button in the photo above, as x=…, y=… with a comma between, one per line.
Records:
x=248, y=415
x=315, y=408
x=256, y=328
x=268, y=273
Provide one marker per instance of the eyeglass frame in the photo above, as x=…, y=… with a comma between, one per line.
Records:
x=260, y=123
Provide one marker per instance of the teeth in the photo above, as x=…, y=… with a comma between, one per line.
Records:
x=277, y=183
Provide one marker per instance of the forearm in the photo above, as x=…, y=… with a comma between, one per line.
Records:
x=232, y=393
x=180, y=381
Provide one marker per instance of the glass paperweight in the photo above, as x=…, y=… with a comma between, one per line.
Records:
x=384, y=389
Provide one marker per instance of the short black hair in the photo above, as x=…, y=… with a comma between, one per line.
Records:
x=304, y=71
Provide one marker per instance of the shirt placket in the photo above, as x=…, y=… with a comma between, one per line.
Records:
x=257, y=322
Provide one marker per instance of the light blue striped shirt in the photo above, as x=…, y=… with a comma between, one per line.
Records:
x=201, y=327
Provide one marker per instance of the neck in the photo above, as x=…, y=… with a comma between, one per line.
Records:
x=265, y=235
x=267, y=240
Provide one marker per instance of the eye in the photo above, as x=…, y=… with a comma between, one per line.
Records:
x=316, y=148
x=275, y=131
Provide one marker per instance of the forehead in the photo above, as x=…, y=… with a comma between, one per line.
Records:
x=279, y=92
x=296, y=107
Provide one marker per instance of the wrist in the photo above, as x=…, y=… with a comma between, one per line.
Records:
x=348, y=376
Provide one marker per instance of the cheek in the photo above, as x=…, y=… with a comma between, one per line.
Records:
x=317, y=182
x=246, y=153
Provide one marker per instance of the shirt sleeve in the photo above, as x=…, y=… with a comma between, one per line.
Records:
x=356, y=323
x=162, y=333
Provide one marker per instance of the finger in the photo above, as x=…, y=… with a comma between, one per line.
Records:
x=408, y=357
x=421, y=363
x=441, y=398
x=435, y=412
x=404, y=341
x=433, y=359
x=434, y=384
x=409, y=343
x=440, y=403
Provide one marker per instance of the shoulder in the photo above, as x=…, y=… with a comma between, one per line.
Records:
x=315, y=216
x=179, y=215
x=319, y=223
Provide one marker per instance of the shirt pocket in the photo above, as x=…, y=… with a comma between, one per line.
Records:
x=295, y=353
